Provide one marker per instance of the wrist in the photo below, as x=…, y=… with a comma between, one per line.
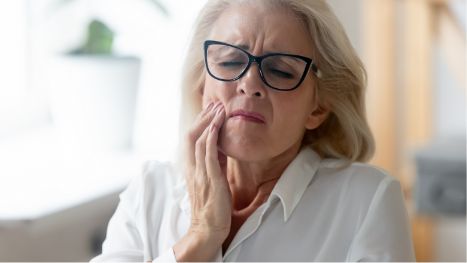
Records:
x=196, y=246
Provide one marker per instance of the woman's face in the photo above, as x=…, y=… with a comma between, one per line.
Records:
x=281, y=116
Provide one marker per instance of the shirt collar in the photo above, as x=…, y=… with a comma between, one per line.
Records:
x=289, y=188
x=295, y=180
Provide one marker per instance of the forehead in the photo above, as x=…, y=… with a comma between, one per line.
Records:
x=263, y=28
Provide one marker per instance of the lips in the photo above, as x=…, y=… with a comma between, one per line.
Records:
x=248, y=116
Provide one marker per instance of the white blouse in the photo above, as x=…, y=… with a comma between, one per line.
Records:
x=316, y=212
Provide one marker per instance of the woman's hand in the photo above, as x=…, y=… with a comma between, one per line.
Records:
x=211, y=205
x=206, y=181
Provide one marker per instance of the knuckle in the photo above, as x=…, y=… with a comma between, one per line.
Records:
x=192, y=135
x=199, y=144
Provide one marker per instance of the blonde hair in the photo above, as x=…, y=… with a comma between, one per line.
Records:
x=345, y=133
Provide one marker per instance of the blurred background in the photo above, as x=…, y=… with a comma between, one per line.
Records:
x=89, y=91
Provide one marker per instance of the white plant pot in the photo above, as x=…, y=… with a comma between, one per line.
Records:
x=93, y=100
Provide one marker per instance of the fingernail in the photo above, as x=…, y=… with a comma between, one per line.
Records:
x=209, y=105
x=216, y=107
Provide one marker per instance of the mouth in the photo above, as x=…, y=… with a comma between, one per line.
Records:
x=248, y=116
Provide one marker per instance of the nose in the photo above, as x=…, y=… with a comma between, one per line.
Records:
x=251, y=83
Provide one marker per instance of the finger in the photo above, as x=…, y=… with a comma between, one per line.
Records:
x=212, y=158
x=206, y=109
x=203, y=116
x=200, y=153
x=190, y=148
x=199, y=126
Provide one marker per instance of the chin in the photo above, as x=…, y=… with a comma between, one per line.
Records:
x=242, y=148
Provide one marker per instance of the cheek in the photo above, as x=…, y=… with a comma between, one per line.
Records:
x=209, y=86
x=215, y=90
x=289, y=127
x=292, y=115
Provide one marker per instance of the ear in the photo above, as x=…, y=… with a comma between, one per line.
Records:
x=318, y=116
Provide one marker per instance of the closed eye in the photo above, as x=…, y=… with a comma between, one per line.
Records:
x=231, y=64
x=281, y=74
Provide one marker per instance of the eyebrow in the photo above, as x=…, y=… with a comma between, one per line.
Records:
x=247, y=48
x=244, y=46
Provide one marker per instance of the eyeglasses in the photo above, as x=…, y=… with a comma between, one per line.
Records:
x=279, y=71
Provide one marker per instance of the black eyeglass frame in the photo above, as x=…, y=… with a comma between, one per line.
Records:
x=258, y=59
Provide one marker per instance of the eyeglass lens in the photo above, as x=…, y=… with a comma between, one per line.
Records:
x=279, y=71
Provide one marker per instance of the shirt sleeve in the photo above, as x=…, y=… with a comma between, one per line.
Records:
x=123, y=239
x=126, y=230
x=385, y=234
x=166, y=256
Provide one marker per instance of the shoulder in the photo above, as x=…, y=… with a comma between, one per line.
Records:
x=156, y=181
x=156, y=174
x=153, y=174
x=360, y=175
x=357, y=183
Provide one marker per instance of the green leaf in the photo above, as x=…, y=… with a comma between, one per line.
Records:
x=100, y=37
x=99, y=40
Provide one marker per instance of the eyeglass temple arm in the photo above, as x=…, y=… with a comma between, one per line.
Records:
x=315, y=70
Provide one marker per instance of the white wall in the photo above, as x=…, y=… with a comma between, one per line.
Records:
x=350, y=15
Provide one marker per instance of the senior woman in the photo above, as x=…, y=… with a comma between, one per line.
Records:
x=273, y=163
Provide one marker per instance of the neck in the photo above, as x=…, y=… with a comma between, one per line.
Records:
x=252, y=182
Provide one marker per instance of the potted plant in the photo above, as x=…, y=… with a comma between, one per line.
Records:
x=93, y=91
